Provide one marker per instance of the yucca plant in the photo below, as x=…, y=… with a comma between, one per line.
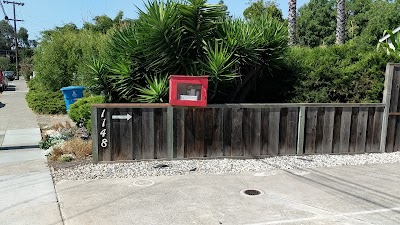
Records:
x=193, y=38
x=155, y=91
x=101, y=84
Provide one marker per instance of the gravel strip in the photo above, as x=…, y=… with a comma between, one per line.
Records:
x=92, y=171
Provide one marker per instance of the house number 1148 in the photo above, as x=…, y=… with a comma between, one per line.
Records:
x=103, y=132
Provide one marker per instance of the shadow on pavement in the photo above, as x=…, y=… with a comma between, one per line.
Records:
x=2, y=105
x=11, y=88
x=19, y=147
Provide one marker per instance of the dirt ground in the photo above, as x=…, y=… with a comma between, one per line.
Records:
x=56, y=165
x=47, y=121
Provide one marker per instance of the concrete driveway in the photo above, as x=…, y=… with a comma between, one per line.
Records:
x=368, y=194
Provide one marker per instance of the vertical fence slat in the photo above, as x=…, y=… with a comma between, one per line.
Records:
x=311, y=130
x=283, y=130
x=345, y=130
x=377, y=128
x=209, y=131
x=137, y=134
x=387, y=95
x=361, y=130
x=336, y=130
x=199, y=132
x=353, y=130
x=217, y=139
x=179, y=132
x=126, y=135
x=264, y=130
x=189, y=134
x=292, y=123
x=160, y=133
x=157, y=133
x=301, y=131
x=256, y=150
x=320, y=130
x=396, y=145
x=115, y=140
x=394, y=101
x=237, y=129
x=227, y=131
x=391, y=134
x=148, y=133
x=370, y=130
x=329, y=121
x=247, y=135
x=273, y=134
x=167, y=147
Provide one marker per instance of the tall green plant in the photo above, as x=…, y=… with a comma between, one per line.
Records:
x=192, y=38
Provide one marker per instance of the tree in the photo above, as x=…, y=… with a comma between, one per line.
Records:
x=365, y=21
x=104, y=23
x=23, y=38
x=292, y=22
x=62, y=54
x=259, y=8
x=6, y=35
x=118, y=17
x=316, y=23
x=340, y=21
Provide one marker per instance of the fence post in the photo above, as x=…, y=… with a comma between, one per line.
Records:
x=300, y=130
x=387, y=94
x=170, y=133
x=95, y=139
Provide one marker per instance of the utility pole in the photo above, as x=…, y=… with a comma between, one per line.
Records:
x=15, y=34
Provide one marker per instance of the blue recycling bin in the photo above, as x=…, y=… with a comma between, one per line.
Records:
x=71, y=94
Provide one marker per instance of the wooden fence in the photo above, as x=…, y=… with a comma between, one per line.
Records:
x=159, y=131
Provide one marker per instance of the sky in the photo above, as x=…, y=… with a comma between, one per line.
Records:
x=40, y=15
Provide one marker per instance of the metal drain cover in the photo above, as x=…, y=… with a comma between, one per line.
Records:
x=143, y=183
x=251, y=192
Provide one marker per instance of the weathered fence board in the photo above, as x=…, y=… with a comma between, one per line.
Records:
x=217, y=138
x=336, y=130
x=394, y=107
x=227, y=131
x=311, y=130
x=179, y=134
x=137, y=135
x=273, y=128
x=345, y=127
x=327, y=141
x=342, y=130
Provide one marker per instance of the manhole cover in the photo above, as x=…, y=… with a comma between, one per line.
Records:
x=142, y=183
x=251, y=192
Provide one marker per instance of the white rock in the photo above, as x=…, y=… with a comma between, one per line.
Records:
x=264, y=167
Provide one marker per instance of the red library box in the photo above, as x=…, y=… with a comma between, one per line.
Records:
x=188, y=90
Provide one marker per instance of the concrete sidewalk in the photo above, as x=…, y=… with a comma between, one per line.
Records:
x=27, y=194
x=368, y=194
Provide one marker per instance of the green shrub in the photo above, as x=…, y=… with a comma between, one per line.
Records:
x=80, y=111
x=345, y=73
x=46, y=102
